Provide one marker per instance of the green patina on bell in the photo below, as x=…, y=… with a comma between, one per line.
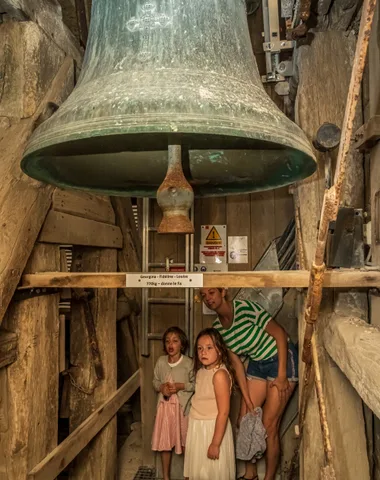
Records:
x=169, y=72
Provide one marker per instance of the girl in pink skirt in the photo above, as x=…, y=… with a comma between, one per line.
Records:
x=174, y=380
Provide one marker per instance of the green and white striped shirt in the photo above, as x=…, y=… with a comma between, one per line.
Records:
x=247, y=335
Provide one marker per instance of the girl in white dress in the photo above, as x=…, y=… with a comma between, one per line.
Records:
x=210, y=451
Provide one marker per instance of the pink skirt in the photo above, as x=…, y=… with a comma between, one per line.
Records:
x=170, y=427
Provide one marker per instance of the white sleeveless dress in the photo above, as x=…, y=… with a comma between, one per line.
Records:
x=200, y=432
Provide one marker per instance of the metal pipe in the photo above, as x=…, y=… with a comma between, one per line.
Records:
x=144, y=343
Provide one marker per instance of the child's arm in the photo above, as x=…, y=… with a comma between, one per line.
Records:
x=156, y=377
x=157, y=383
x=222, y=385
x=188, y=386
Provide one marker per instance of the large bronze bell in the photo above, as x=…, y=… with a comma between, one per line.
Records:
x=169, y=86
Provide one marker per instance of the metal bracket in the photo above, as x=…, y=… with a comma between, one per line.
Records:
x=345, y=242
x=273, y=45
x=28, y=293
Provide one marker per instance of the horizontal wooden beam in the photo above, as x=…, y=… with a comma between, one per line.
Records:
x=60, y=457
x=354, y=346
x=63, y=228
x=257, y=279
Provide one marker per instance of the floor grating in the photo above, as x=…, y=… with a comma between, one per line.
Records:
x=145, y=473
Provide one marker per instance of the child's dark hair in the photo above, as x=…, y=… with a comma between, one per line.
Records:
x=182, y=336
x=221, y=347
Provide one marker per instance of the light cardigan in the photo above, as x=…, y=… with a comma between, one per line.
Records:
x=181, y=373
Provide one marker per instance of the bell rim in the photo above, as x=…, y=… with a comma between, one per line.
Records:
x=224, y=129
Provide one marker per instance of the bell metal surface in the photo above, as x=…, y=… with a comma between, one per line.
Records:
x=160, y=70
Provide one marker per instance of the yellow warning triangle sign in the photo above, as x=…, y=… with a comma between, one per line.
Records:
x=213, y=235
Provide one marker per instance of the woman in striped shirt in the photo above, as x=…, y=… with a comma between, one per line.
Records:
x=272, y=373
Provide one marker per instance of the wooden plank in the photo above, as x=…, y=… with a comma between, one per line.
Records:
x=238, y=214
x=33, y=379
x=48, y=16
x=83, y=204
x=283, y=278
x=93, y=351
x=262, y=224
x=283, y=210
x=353, y=344
x=8, y=347
x=23, y=201
x=66, y=451
x=63, y=228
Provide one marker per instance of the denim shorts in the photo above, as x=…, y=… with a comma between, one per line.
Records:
x=268, y=369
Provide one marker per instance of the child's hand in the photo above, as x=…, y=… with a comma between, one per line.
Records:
x=213, y=452
x=165, y=389
x=176, y=387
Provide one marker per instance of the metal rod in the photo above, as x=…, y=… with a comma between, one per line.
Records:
x=144, y=344
x=187, y=296
x=191, y=290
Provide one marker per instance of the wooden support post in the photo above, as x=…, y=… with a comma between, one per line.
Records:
x=23, y=202
x=29, y=428
x=343, y=405
x=374, y=176
x=88, y=390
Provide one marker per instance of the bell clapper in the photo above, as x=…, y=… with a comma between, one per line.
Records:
x=175, y=196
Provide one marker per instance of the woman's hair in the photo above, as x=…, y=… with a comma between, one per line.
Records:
x=226, y=294
x=220, y=346
x=182, y=336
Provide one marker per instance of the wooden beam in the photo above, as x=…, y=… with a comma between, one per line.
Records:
x=63, y=228
x=8, y=347
x=48, y=16
x=60, y=457
x=93, y=351
x=23, y=202
x=354, y=346
x=83, y=204
x=283, y=278
x=29, y=419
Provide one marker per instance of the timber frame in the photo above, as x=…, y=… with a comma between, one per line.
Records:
x=110, y=236
x=363, y=278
